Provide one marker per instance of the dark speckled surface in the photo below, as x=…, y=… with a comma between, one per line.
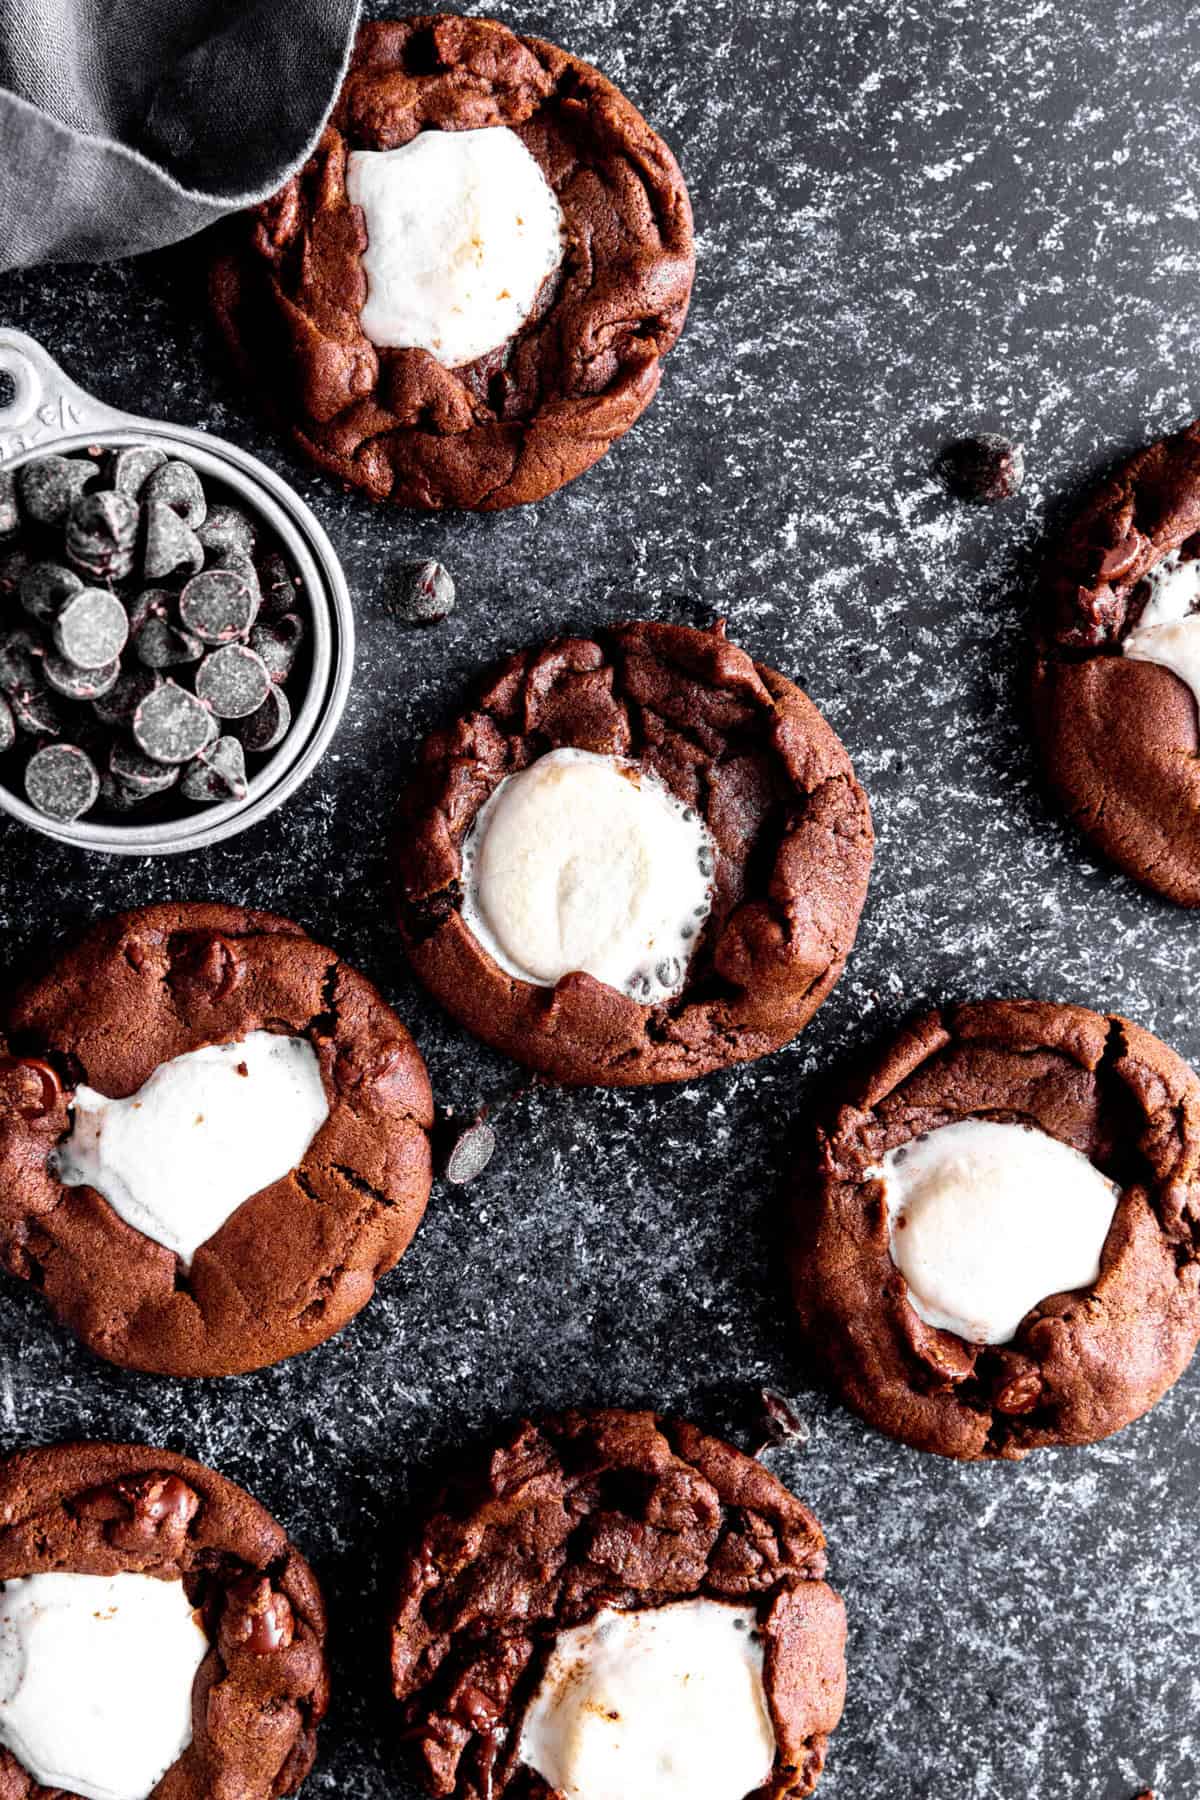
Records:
x=912, y=221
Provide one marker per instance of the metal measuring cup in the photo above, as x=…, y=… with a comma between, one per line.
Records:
x=47, y=412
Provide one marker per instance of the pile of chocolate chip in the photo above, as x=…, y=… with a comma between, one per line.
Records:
x=147, y=635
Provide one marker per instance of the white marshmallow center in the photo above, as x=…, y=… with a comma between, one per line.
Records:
x=201, y=1135
x=988, y=1219
x=462, y=230
x=1168, y=631
x=666, y=1704
x=96, y=1676
x=584, y=862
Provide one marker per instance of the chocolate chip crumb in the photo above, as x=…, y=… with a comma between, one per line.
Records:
x=983, y=469
x=424, y=593
x=471, y=1154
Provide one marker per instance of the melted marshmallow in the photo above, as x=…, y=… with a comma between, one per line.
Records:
x=96, y=1676
x=666, y=1704
x=204, y=1132
x=1168, y=631
x=462, y=230
x=989, y=1219
x=583, y=862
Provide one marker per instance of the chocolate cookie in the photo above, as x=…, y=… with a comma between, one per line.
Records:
x=151, y=1610
x=346, y=297
x=1118, y=665
x=687, y=757
x=560, y=1600
x=213, y=1139
x=1032, y=1169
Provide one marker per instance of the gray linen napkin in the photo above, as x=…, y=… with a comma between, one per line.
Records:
x=129, y=124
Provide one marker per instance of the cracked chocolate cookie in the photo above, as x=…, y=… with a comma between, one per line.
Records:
x=465, y=295
x=214, y=1139
x=996, y=1239
x=616, y=1603
x=1117, y=677
x=159, y=1635
x=639, y=857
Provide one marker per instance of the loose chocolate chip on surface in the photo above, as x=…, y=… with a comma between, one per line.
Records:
x=139, y=772
x=424, y=593
x=91, y=629
x=101, y=533
x=171, y=725
x=8, y=726
x=277, y=641
x=61, y=781
x=10, y=517
x=218, y=605
x=170, y=544
x=985, y=469
x=226, y=529
x=233, y=681
x=218, y=773
x=267, y=727
x=50, y=486
x=177, y=485
x=780, y=1423
x=45, y=587
x=129, y=469
x=471, y=1154
x=80, y=684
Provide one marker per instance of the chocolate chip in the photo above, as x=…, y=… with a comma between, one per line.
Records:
x=119, y=705
x=29, y=1086
x=61, y=781
x=424, y=593
x=226, y=529
x=267, y=727
x=101, y=533
x=1020, y=1394
x=140, y=773
x=277, y=642
x=171, y=725
x=36, y=711
x=91, y=629
x=13, y=564
x=983, y=469
x=233, y=681
x=170, y=544
x=471, y=1154
x=217, y=774
x=80, y=684
x=279, y=586
x=160, y=1507
x=177, y=485
x=780, y=1423
x=50, y=486
x=130, y=469
x=256, y=1618
x=8, y=726
x=45, y=587
x=116, y=796
x=10, y=516
x=218, y=605
x=161, y=645
x=21, y=657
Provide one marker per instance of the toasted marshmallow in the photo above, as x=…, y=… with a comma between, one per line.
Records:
x=584, y=862
x=1168, y=631
x=96, y=1676
x=201, y=1135
x=462, y=230
x=988, y=1219
x=665, y=1704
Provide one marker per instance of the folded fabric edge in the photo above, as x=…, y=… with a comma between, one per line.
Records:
x=67, y=196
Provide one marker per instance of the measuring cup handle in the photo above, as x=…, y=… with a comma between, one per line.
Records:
x=44, y=407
